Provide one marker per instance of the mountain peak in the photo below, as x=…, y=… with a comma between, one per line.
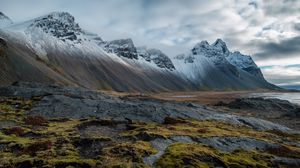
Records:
x=219, y=41
x=203, y=44
x=2, y=15
x=4, y=20
x=220, y=45
x=204, y=47
x=61, y=16
x=161, y=59
x=122, y=47
x=59, y=24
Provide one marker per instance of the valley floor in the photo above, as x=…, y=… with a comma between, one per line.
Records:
x=210, y=97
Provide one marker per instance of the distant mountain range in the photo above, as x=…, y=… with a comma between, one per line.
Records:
x=55, y=49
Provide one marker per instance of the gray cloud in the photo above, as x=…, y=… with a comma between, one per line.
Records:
x=285, y=48
x=297, y=26
x=283, y=75
x=281, y=7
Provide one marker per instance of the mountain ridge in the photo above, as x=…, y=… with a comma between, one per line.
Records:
x=62, y=44
x=4, y=20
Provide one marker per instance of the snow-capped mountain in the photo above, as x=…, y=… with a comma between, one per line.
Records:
x=156, y=56
x=4, y=20
x=56, y=49
x=126, y=48
x=215, y=66
x=62, y=25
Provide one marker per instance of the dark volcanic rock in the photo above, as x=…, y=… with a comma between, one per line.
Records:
x=156, y=56
x=270, y=106
x=229, y=144
x=60, y=24
x=64, y=102
x=122, y=47
x=160, y=59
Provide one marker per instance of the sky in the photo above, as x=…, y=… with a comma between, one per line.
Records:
x=268, y=30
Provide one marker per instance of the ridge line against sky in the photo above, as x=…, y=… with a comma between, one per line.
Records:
x=269, y=30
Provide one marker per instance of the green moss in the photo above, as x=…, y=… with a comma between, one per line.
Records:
x=242, y=158
x=13, y=109
x=206, y=128
x=138, y=148
x=14, y=139
x=183, y=155
x=59, y=129
x=75, y=162
x=188, y=128
x=194, y=155
x=126, y=154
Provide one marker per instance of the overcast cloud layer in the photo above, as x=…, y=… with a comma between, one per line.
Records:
x=269, y=30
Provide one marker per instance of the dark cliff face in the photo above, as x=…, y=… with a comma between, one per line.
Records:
x=160, y=59
x=126, y=48
x=216, y=52
x=122, y=47
x=61, y=25
x=245, y=63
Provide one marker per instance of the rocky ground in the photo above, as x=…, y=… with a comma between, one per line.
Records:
x=275, y=110
x=52, y=126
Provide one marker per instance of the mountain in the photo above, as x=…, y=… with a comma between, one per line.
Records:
x=245, y=63
x=214, y=66
x=122, y=47
x=157, y=57
x=4, y=20
x=56, y=49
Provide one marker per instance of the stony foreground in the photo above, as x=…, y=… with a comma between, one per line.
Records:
x=51, y=126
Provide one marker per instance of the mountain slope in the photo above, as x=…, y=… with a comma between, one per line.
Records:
x=55, y=49
x=245, y=63
x=76, y=56
x=214, y=66
x=4, y=20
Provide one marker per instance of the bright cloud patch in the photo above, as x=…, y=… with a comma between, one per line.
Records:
x=283, y=75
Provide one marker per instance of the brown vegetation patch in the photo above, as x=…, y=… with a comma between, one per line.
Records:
x=284, y=152
x=37, y=146
x=35, y=120
x=14, y=130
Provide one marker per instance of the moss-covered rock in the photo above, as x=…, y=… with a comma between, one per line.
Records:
x=91, y=142
x=194, y=155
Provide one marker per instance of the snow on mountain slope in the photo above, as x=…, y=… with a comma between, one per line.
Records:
x=201, y=57
x=79, y=57
x=214, y=66
x=122, y=47
x=157, y=57
x=245, y=63
x=56, y=49
x=59, y=31
x=4, y=20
